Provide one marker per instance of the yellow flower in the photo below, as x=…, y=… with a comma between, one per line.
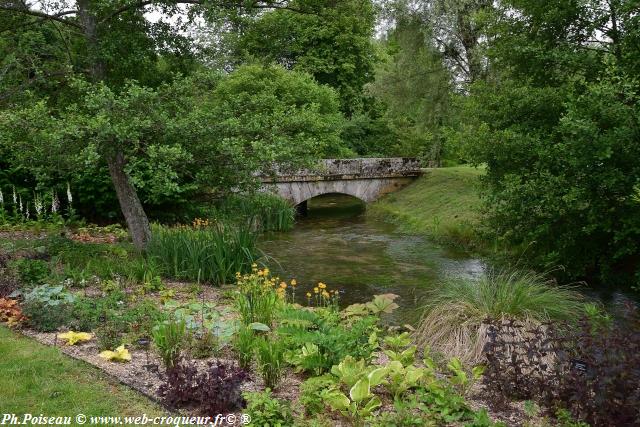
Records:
x=325, y=294
x=322, y=285
x=254, y=265
x=316, y=290
x=283, y=285
x=293, y=282
x=308, y=294
x=260, y=273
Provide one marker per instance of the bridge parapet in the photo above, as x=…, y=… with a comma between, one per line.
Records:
x=347, y=169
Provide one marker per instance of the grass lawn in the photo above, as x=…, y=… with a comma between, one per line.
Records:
x=443, y=204
x=42, y=380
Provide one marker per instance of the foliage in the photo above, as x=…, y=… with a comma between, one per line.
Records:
x=47, y=307
x=213, y=254
x=266, y=410
x=322, y=344
x=120, y=354
x=32, y=272
x=73, y=338
x=110, y=334
x=169, y=338
x=10, y=312
x=331, y=41
x=557, y=129
x=310, y=391
x=270, y=360
x=359, y=404
x=591, y=370
x=220, y=388
x=202, y=318
x=89, y=313
x=214, y=391
x=452, y=323
x=204, y=345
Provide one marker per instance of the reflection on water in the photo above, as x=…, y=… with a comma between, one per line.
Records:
x=338, y=245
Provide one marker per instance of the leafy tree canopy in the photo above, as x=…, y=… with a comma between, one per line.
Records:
x=332, y=41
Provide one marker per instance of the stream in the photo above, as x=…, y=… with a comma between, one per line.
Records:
x=337, y=244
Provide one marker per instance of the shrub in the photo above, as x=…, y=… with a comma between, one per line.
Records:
x=142, y=317
x=9, y=282
x=211, y=254
x=270, y=358
x=181, y=386
x=31, y=272
x=89, y=313
x=592, y=370
x=215, y=391
x=452, y=323
x=169, y=337
x=265, y=410
x=48, y=307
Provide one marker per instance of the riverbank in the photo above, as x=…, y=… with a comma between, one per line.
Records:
x=443, y=204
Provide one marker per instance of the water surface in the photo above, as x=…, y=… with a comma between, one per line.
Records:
x=361, y=256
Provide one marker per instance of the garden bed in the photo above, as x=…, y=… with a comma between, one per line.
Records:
x=311, y=365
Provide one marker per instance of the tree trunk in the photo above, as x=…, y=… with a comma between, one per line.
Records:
x=132, y=209
x=130, y=204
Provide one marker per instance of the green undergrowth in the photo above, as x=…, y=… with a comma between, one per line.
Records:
x=41, y=380
x=443, y=204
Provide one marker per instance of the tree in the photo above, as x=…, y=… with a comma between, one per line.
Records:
x=558, y=128
x=256, y=117
x=416, y=87
x=333, y=42
x=457, y=29
x=102, y=29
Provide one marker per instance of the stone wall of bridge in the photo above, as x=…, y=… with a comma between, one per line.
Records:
x=365, y=178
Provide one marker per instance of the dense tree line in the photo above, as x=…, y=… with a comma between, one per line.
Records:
x=543, y=94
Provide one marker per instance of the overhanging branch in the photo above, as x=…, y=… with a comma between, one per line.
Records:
x=58, y=17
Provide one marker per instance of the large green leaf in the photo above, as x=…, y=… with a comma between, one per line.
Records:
x=360, y=390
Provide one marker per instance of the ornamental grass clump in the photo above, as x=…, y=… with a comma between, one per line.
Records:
x=212, y=253
x=454, y=316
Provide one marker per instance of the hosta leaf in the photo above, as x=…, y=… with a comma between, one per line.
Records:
x=377, y=376
x=120, y=354
x=335, y=400
x=256, y=326
x=72, y=337
x=360, y=390
x=371, y=406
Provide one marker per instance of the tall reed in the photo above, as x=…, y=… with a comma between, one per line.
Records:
x=209, y=254
x=266, y=212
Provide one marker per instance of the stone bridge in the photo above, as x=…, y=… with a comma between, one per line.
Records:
x=365, y=178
